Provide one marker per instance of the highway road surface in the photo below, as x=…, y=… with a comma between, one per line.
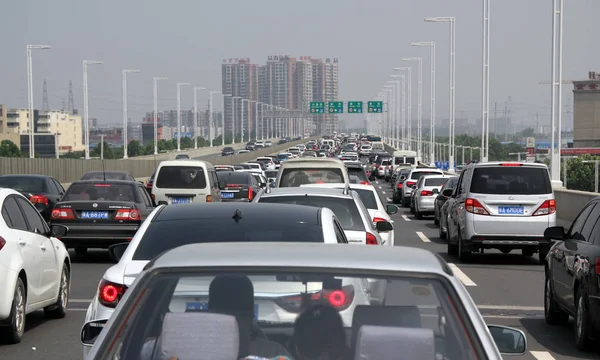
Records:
x=507, y=288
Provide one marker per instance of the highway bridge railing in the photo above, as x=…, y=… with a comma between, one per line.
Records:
x=67, y=171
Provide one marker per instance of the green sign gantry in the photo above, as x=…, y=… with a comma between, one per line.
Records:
x=317, y=107
x=336, y=107
x=355, y=107
x=375, y=106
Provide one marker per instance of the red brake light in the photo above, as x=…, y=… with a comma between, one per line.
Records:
x=511, y=164
x=474, y=206
x=371, y=239
x=411, y=183
x=250, y=194
x=597, y=262
x=39, y=199
x=381, y=168
x=62, y=214
x=2, y=243
x=547, y=208
x=426, y=193
x=340, y=299
x=110, y=293
x=127, y=215
x=400, y=185
x=233, y=185
x=364, y=183
x=102, y=185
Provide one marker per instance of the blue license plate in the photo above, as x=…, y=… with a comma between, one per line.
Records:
x=184, y=200
x=94, y=214
x=511, y=210
x=202, y=306
x=226, y=195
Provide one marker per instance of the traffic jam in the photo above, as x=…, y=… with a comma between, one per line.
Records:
x=298, y=254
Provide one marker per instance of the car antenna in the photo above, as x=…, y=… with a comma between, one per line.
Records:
x=347, y=189
x=237, y=215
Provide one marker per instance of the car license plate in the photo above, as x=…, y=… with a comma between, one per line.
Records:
x=184, y=200
x=94, y=214
x=511, y=210
x=202, y=306
x=226, y=195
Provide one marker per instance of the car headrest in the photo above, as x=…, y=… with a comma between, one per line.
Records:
x=382, y=342
x=404, y=316
x=199, y=336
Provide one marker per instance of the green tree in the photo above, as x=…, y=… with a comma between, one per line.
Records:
x=9, y=149
x=148, y=148
x=580, y=175
x=187, y=143
x=134, y=148
x=107, y=151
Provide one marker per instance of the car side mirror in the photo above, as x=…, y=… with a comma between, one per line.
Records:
x=555, y=233
x=391, y=209
x=384, y=226
x=58, y=231
x=510, y=341
x=116, y=251
x=91, y=330
x=447, y=192
x=435, y=191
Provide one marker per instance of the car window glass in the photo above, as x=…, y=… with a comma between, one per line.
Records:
x=575, y=232
x=16, y=216
x=52, y=189
x=28, y=184
x=519, y=180
x=100, y=192
x=339, y=233
x=296, y=177
x=61, y=189
x=215, y=179
x=34, y=219
x=144, y=194
x=181, y=177
x=435, y=181
x=588, y=226
x=6, y=217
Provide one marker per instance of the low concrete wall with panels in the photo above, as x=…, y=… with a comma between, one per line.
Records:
x=569, y=203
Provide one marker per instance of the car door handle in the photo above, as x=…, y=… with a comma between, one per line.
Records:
x=22, y=243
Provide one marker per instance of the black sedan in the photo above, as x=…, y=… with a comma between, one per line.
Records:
x=43, y=191
x=238, y=186
x=101, y=213
x=107, y=175
x=440, y=200
x=227, y=151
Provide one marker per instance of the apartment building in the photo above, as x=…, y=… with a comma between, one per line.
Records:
x=240, y=80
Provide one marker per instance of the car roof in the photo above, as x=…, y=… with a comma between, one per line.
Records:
x=443, y=176
x=339, y=186
x=302, y=190
x=303, y=255
x=199, y=163
x=254, y=213
x=353, y=164
x=37, y=176
x=107, y=172
x=499, y=163
x=107, y=181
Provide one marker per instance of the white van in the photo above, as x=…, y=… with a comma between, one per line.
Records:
x=405, y=157
x=185, y=181
x=296, y=172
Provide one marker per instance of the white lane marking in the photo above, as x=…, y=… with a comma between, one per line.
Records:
x=542, y=355
x=511, y=307
x=423, y=237
x=380, y=187
x=383, y=192
x=405, y=218
x=389, y=199
x=69, y=309
x=461, y=275
x=87, y=301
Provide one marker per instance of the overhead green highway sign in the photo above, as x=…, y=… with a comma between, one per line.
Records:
x=317, y=107
x=336, y=107
x=355, y=107
x=375, y=106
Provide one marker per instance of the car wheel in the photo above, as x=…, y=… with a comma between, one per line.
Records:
x=59, y=310
x=13, y=333
x=463, y=254
x=552, y=313
x=418, y=214
x=404, y=202
x=528, y=252
x=583, y=326
x=436, y=220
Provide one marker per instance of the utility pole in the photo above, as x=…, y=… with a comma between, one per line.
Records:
x=506, y=124
x=495, y=119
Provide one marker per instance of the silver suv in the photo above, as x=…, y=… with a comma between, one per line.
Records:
x=501, y=205
x=411, y=181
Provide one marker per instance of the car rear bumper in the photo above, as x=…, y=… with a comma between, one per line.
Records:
x=98, y=236
x=508, y=226
x=426, y=204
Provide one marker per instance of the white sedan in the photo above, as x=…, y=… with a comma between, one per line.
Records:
x=35, y=268
x=373, y=203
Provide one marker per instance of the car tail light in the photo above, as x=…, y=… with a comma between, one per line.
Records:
x=39, y=199
x=364, y=183
x=127, y=215
x=400, y=185
x=410, y=183
x=378, y=219
x=208, y=198
x=371, y=239
x=250, y=194
x=547, y=208
x=233, y=185
x=511, y=164
x=102, y=185
x=339, y=299
x=110, y=293
x=597, y=261
x=62, y=214
x=153, y=197
x=474, y=206
x=3, y=242
x=426, y=193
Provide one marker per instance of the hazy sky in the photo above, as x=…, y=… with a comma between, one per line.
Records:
x=186, y=41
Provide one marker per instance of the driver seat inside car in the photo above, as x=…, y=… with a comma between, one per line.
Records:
x=382, y=342
x=402, y=315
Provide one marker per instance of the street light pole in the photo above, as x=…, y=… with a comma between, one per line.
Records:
x=431, y=44
x=125, y=142
x=223, y=118
x=419, y=103
x=485, y=101
x=179, y=85
x=85, y=105
x=242, y=117
x=196, y=88
x=210, y=117
x=30, y=96
x=155, y=83
x=233, y=98
x=556, y=103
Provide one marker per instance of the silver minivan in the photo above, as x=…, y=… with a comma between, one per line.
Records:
x=501, y=205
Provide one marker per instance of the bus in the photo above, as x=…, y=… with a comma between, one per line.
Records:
x=405, y=157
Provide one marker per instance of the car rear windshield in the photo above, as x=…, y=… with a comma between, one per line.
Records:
x=345, y=209
x=25, y=184
x=100, y=192
x=99, y=175
x=513, y=180
x=235, y=177
x=357, y=172
x=271, y=174
x=385, y=162
x=300, y=176
x=435, y=181
x=181, y=177
x=368, y=198
x=159, y=238
x=416, y=175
